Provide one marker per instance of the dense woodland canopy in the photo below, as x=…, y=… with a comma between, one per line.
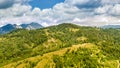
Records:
x=21, y=44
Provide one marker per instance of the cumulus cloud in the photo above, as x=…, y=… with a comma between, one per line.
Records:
x=103, y=9
x=110, y=1
x=83, y=12
x=8, y=3
x=113, y=10
x=5, y=3
x=16, y=10
x=98, y=20
x=85, y=3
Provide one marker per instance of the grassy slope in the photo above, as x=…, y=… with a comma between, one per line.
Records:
x=47, y=59
x=39, y=47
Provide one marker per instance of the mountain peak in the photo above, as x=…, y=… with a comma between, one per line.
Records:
x=9, y=27
x=32, y=25
x=35, y=25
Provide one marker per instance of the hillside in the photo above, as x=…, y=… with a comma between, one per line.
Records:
x=65, y=45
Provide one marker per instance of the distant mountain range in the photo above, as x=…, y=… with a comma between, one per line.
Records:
x=9, y=27
x=111, y=26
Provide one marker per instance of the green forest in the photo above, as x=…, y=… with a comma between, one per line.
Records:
x=63, y=46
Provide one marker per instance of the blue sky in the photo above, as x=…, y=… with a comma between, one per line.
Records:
x=52, y=12
x=44, y=4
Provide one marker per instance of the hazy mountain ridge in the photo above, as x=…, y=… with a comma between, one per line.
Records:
x=111, y=26
x=65, y=45
x=9, y=27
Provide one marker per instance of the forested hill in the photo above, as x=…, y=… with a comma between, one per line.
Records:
x=61, y=46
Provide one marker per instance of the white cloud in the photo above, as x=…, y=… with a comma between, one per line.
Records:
x=73, y=2
x=109, y=10
x=110, y=1
x=99, y=20
x=103, y=10
x=115, y=10
x=4, y=4
x=69, y=11
x=15, y=10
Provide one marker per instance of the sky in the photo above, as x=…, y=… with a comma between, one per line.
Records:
x=53, y=12
x=44, y=4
